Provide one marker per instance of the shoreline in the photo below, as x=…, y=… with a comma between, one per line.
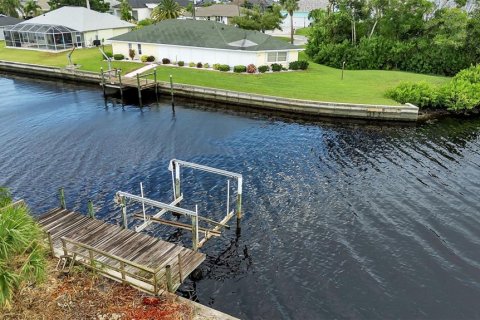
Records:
x=403, y=113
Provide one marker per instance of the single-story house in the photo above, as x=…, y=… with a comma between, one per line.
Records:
x=7, y=21
x=251, y=3
x=216, y=12
x=142, y=9
x=63, y=28
x=205, y=41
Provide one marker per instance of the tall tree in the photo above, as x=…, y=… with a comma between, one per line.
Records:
x=31, y=9
x=290, y=6
x=166, y=9
x=256, y=19
x=125, y=10
x=10, y=7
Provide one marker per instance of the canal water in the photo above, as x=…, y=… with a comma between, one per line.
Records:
x=342, y=220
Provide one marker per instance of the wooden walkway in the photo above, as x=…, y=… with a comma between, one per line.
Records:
x=147, y=263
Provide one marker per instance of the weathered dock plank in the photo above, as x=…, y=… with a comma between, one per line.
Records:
x=121, y=254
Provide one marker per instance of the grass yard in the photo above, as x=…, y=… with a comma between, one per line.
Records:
x=303, y=31
x=317, y=83
x=89, y=59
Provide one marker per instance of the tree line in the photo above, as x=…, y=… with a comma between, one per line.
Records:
x=411, y=35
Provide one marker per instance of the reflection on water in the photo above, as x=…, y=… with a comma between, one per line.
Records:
x=341, y=220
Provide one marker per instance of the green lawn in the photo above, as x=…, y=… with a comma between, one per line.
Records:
x=303, y=31
x=89, y=59
x=318, y=83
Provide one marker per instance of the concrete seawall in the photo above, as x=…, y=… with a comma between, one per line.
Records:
x=406, y=112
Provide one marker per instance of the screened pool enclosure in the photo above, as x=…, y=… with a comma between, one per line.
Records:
x=42, y=36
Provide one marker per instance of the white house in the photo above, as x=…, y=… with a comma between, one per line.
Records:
x=63, y=28
x=205, y=41
x=300, y=17
x=216, y=12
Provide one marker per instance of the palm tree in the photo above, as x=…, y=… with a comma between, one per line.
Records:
x=10, y=7
x=290, y=6
x=31, y=9
x=166, y=9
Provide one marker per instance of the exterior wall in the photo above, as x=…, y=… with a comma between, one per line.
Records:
x=262, y=58
x=89, y=36
x=204, y=55
x=141, y=13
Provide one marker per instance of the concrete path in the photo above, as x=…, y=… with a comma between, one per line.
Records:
x=141, y=70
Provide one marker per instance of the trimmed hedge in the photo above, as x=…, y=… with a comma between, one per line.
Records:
x=150, y=58
x=224, y=67
x=181, y=63
x=276, y=67
x=192, y=64
x=108, y=54
x=206, y=65
x=165, y=61
x=263, y=69
x=118, y=56
x=239, y=69
x=199, y=65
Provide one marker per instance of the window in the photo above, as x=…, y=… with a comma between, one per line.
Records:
x=139, y=48
x=272, y=57
x=129, y=46
x=276, y=57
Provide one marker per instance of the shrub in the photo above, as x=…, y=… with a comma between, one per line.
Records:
x=460, y=95
x=239, y=69
x=150, y=58
x=276, y=67
x=192, y=64
x=199, y=65
x=22, y=256
x=420, y=94
x=303, y=64
x=263, y=69
x=144, y=58
x=294, y=65
x=165, y=61
x=216, y=66
x=251, y=68
x=224, y=67
x=108, y=54
x=118, y=56
x=181, y=63
x=131, y=53
x=206, y=65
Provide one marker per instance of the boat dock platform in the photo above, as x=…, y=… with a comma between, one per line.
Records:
x=126, y=254
x=144, y=262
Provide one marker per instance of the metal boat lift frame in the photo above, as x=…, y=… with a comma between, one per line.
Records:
x=175, y=166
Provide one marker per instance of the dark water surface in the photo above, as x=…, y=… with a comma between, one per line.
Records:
x=343, y=221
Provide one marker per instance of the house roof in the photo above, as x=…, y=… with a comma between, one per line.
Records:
x=218, y=10
x=137, y=4
x=7, y=21
x=261, y=3
x=80, y=19
x=206, y=34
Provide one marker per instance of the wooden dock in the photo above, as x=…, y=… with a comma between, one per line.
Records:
x=147, y=263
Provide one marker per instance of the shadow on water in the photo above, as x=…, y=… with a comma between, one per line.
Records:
x=342, y=219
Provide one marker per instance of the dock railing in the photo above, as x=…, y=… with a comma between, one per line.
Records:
x=153, y=281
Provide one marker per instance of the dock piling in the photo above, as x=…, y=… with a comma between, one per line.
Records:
x=155, y=80
x=91, y=211
x=139, y=90
x=124, y=212
x=171, y=90
x=103, y=81
x=61, y=195
x=168, y=274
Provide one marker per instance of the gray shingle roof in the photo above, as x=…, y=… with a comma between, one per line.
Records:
x=7, y=21
x=218, y=10
x=80, y=19
x=206, y=34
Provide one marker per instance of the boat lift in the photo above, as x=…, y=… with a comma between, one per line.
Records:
x=208, y=231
